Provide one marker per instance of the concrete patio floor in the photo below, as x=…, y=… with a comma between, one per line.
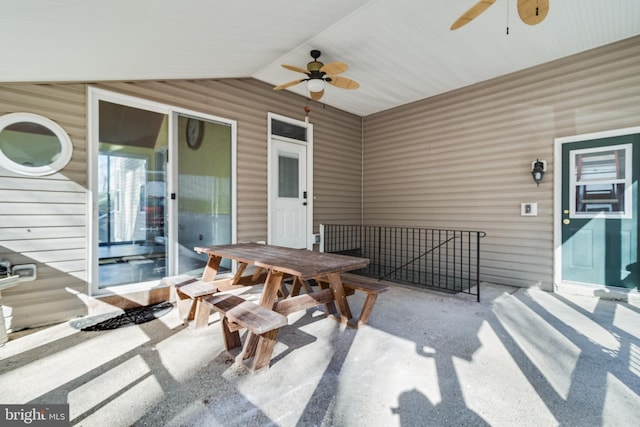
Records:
x=521, y=357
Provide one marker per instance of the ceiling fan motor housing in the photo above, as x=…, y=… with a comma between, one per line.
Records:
x=315, y=66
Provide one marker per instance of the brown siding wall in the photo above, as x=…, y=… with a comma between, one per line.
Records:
x=462, y=160
x=42, y=220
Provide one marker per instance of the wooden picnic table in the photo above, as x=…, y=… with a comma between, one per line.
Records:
x=278, y=262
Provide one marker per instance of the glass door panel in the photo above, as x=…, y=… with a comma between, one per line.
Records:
x=132, y=243
x=204, y=190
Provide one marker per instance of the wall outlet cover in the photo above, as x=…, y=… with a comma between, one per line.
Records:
x=26, y=272
x=529, y=209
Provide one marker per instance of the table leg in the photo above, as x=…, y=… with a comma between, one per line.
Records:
x=270, y=290
x=257, y=274
x=330, y=307
x=241, y=267
x=267, y=300
x=210, y=271
x=340, y=297
x=264, y=350
x=231, y=338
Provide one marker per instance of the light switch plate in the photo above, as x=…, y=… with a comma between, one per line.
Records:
x=529, y=209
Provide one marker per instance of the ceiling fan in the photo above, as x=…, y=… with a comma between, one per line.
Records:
x=531, y=12
x=319, y=73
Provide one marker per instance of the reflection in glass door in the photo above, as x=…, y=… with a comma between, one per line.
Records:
x=131, y=194
x=204, y=190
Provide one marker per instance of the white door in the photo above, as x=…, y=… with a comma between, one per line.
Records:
x=288, y=194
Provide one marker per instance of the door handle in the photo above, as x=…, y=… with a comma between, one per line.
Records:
x=566, y=221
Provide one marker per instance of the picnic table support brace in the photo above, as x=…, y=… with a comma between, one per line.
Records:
x=268, y=298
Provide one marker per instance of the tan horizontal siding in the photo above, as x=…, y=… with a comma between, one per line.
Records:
x=462, y=159
x=38, y=312
x=43, y=208
x=49, y=184
x=31, y=245
x=43, y=219
x=40, y=233
x=338, y=170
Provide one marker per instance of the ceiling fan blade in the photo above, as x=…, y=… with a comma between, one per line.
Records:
x=472, y=13
x=334, y=68
x=316, y=95
x=343, y=82
x=294, y=68
x=286, y=85
x=533, y=12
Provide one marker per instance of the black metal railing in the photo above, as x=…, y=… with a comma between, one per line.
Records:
x=446, y=260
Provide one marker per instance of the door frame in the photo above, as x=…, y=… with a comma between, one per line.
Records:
x=309, y=172
x=558, y=283
x=94, y=96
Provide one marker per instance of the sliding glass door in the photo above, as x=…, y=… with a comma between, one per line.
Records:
x=163, y=183
x=131, y=194
x=204, y=189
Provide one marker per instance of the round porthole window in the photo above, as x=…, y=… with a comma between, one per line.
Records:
x=31, y=144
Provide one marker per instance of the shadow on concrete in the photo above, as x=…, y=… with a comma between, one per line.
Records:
x=566, y=351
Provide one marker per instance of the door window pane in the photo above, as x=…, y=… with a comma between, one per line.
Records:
x=601, y=181
x=288, y=130
x=131, y=195
x=288, y=177
x=119, y=198
x=204, y=191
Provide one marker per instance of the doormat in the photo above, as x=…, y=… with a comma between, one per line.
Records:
x=122, y=318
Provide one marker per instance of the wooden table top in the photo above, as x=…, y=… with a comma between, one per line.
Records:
x=298, y=262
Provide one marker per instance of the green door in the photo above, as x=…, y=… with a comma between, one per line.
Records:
x=600, y=211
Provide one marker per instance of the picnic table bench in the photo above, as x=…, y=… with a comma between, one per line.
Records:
x=236, y=313
x=352, y=284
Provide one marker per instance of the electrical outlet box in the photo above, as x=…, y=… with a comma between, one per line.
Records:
x=529, y=209
x=26, y=272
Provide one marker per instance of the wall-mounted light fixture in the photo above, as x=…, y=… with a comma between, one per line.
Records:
x=538, y=168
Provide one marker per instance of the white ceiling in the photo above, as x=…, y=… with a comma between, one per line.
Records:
x=398, y=50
